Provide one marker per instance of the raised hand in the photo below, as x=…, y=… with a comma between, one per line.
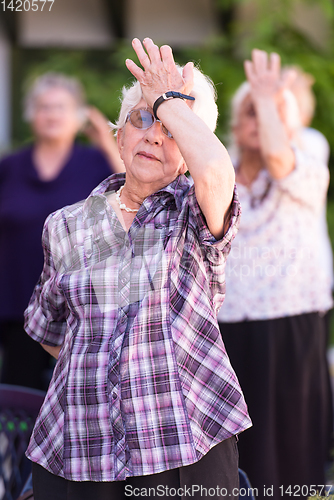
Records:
x=267, y=86
x=264, y=74
x=98, y=131
x=96, y=128
x=160, y=73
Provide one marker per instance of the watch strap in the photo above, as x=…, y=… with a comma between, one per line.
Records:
x=171, y=94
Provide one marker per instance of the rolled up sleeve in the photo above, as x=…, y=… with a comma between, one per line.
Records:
x=308, y=182
x=215, y=252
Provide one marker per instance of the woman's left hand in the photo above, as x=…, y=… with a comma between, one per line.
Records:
x=98, y=131
x=264, y=75
x=160, y=73
x=96, y=127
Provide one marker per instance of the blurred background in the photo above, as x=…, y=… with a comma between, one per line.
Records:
x=90, y=39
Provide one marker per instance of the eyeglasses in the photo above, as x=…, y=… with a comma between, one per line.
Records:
x=143, y=119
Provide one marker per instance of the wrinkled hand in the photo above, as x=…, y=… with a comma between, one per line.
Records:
x=264, y=75
x=159, y=73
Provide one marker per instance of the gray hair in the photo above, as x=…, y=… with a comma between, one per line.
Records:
x=293, y=120
x=204, y=105
x=292, y=111
x=49, y=81
x=301, y=87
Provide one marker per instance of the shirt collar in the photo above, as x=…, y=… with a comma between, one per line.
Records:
x=178, y=188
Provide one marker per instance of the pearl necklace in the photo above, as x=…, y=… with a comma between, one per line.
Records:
x=122, y=206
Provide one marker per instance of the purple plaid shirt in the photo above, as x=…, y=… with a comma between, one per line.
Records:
x=143, y=383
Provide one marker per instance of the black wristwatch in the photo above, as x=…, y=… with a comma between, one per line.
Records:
x=171, y=94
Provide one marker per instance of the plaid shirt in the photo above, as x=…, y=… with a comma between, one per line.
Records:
x=142, y=383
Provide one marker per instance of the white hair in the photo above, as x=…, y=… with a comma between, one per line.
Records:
x=238, y=98
x=292, y=115
x=292, y=111
x=204, y=105
x=301, y=87
x=49, y=81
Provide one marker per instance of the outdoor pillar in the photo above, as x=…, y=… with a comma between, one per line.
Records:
x=5, y=94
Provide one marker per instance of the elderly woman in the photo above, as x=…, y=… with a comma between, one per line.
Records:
x=315, y=144
x=143, y=394
x=301, y=86
x=272, y=318
x=35, y=181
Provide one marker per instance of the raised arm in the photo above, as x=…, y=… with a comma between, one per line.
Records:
x=98, y=131
x=263, y=74
x=206, y=158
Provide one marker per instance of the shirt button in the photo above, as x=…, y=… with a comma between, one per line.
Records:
x=114, y=395
x=114, y=355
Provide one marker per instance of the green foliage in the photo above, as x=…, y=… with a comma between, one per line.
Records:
x=269, y=27
x=102, y=74
x=330, y=223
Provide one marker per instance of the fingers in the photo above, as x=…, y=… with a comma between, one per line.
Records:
x=188, y=76
x=152, y=54
x=137, y=72
x=166, y=54
x=257, y=66
x=145, y=59
x=275, y=64
x=153, y=51
x=159, y=72
x=141, y=54
x=261, y=63
x=95, y=115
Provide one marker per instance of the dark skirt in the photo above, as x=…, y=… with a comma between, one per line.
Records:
x=283, y=371
x=214, y=476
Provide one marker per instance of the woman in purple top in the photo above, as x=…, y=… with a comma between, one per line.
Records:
x=35, y=181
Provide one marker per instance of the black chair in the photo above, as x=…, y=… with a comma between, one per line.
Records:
x=27, y=491
x=19, y=407
x=246, y=491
